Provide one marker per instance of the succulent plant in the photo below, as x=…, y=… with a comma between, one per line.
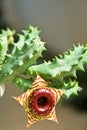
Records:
x=18, y=65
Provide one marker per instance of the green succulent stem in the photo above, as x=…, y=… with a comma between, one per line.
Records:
x=66, y=65
x=21, y=59
x=24, y=53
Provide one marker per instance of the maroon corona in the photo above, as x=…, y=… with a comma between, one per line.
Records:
x=39, y=102
x=42, y=101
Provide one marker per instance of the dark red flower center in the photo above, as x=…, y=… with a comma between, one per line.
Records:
x=42, y=101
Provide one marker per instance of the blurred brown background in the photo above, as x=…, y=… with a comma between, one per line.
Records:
x=63, y=22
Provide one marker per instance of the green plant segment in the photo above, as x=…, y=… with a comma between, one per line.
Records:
x=21, y=59
x=65, y=66
x=24, y=53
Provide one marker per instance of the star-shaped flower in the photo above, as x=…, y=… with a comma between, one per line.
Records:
x=39, y=102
